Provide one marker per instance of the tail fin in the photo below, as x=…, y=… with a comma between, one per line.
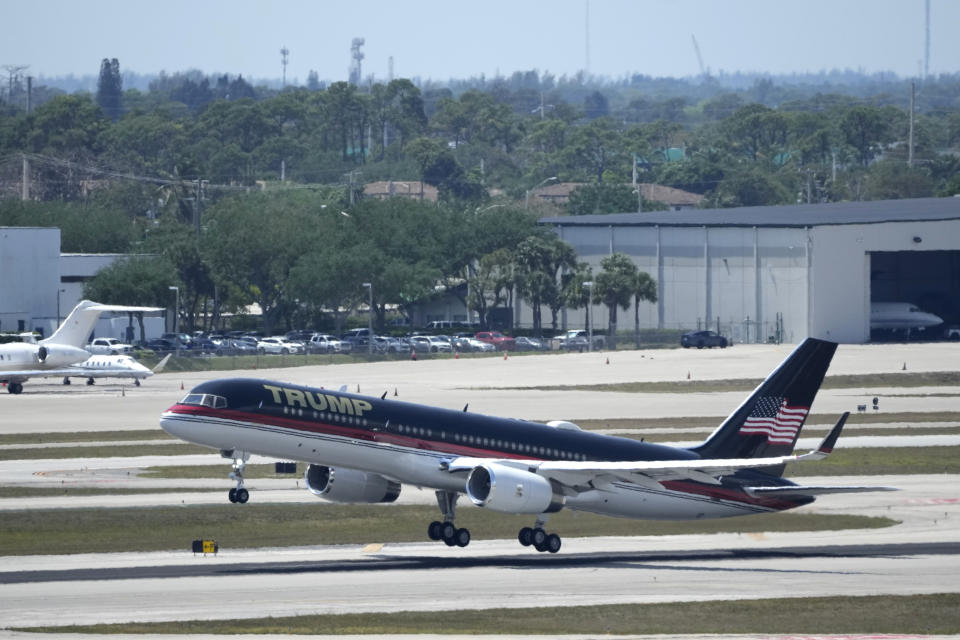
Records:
x=768, y=423
x=76, y=329
x=78, y=326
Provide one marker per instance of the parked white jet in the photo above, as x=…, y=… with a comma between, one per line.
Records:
x=901, y=316
x=20, y=361
x=109, y=367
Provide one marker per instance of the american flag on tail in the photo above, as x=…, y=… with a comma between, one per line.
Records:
x=775, y=418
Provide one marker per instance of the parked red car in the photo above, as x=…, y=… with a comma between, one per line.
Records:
x=497, y=339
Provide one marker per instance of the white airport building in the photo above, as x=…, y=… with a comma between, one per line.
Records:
x=784, y=272
x=40, y=285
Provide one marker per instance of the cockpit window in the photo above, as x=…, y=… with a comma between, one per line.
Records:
x=205, y=400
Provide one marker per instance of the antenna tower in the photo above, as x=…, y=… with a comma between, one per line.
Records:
x=926, y=55
x=355, y=57
x=586, y=28
x=284, y=53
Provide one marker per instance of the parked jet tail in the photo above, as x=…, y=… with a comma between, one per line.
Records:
x=768, y=423
x=77, y=327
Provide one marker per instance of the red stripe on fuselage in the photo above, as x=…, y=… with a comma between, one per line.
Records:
x=730, y=495
x=357, y=433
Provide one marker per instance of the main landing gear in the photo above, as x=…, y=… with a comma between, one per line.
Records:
x=238, y=493
x=14, y=387
x=538, y=538
x=446, y=530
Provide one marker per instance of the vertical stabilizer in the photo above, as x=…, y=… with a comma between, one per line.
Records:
x=768, y=423
x=78, y=326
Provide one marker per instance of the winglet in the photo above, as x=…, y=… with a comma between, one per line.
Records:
x=826, y=446
x=160, y=365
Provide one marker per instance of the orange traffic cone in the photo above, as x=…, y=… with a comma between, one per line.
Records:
x=456, y=355
x=504, y=355
x=688, y=375
x=608, y=360
x=413, y=354
x=181, y=385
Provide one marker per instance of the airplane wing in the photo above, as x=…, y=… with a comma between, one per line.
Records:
x=582, y=476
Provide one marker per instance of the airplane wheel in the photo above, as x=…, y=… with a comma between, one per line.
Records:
x=525, y=536
x=552, y=543
x=242, y=496
x=462, y=537
x=433, y=531
x=232, y=495
x=66, y=381
x=89, y=382
x=14, y=387
x=538, y=537
x=136, y=383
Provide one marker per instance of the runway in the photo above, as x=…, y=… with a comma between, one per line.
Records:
x=921, y=555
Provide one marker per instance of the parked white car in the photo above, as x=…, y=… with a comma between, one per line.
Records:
x=324, y=343
x=108, y=347
x=278, y=344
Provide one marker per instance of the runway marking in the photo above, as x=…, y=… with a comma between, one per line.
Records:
x=372, y=548
x=933, y=501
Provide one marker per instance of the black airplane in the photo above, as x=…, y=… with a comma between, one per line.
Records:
x=362, y=449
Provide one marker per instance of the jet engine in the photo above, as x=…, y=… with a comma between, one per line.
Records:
x=60, y=355
x=349, y=485
x=510, y=490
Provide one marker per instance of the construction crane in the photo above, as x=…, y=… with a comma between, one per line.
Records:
x=704, y=72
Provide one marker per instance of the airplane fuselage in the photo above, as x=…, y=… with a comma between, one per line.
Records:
x=412, y=444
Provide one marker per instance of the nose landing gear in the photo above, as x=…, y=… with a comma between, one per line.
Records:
x=238, y=494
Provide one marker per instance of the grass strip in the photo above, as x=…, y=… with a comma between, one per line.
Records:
x=175, y=448
x=916, y=614
x=84, y=436
x=63, y=531
x=46, y=492
x=853, y=381
x=881, y=461
x=842, y=462
x=907, y=417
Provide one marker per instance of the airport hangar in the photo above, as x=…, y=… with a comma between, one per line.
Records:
x=779, y=272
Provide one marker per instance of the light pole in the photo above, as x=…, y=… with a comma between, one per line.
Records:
x=589, y=286
x=59, y=291
x=526, y=200
x=369, y=286
x=176, y=316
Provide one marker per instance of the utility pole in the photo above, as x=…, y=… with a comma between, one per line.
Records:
x=25, y=179
x=913, y=93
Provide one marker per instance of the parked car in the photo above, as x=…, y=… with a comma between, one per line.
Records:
x=524, y=343
x=497, y=339
x=184, y=339
x=299, y=335
x=384, y=344
x=108, y=347
x=701, y=339
x=579, y=340
x=472, y=344
x=160, y=345
x=324, y=343
x=278, y=344
x=236, y=347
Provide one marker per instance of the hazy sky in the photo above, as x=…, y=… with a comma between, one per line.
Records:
x=442, y=39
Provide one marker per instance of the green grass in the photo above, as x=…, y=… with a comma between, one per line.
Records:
x=876, y=417
x=70, y=490
x=917, y=614
x=84, y=436
x=881, y=461
x=207, y=471
x=64, y=531
x=901, y=380
x=175, y=448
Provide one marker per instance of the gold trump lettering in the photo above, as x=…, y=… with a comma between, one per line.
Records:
x=318, y=401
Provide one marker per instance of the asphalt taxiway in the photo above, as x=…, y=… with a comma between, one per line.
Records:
x=921, y=555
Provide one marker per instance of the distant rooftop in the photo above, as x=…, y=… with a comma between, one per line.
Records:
x=800, y=215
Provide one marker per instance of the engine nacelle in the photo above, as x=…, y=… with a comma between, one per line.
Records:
x=510, y=490
x=349, y=485
x=61, y=355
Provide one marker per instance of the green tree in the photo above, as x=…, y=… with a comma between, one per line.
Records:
x=110, y=88
x=136, y=281
x=539, y=258
x=590, y=199
x=644, y=289
x=615, y=286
